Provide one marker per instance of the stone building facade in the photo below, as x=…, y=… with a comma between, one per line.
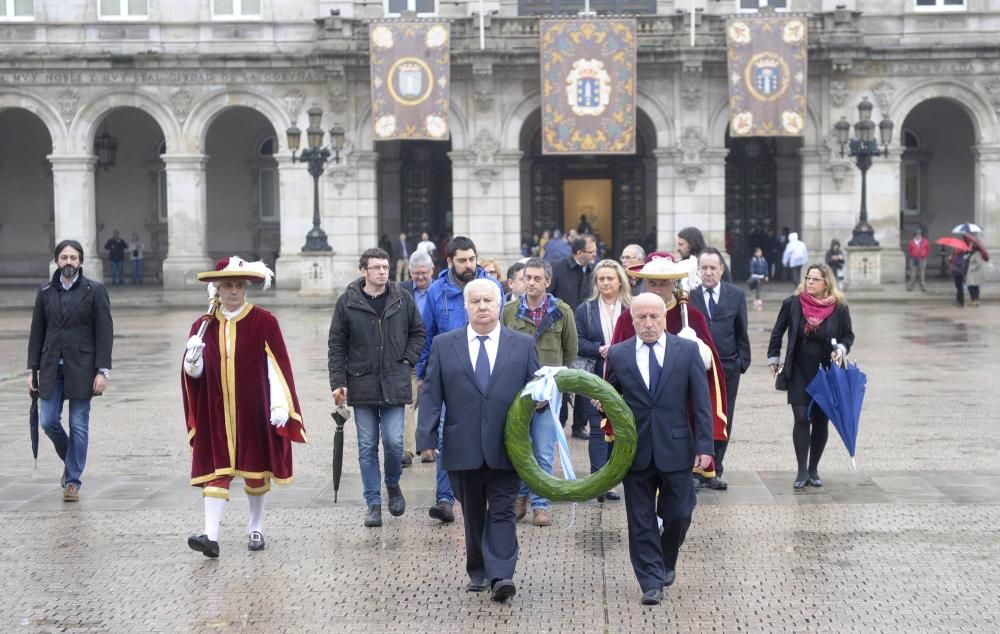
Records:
x=199, y=93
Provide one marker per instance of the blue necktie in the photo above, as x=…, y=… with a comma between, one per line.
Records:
x=712, y=305
x=482, y=364
x=654, y=368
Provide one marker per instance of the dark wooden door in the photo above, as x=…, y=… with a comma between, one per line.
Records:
x=751, y=201
x=425, y=175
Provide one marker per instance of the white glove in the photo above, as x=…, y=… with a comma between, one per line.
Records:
x=703, y=349
x=279, y=416
x=195, y=346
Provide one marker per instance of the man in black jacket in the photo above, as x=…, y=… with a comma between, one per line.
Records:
x=725, y=306
x=69, y=349
x=376, y=337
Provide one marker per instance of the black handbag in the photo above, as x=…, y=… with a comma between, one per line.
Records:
x=780, y=380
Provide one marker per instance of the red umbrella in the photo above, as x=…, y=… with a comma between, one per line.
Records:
x=955, y=243
x=975, y=241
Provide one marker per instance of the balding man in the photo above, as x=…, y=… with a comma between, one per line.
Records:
x=661, y=377
x=634, y=255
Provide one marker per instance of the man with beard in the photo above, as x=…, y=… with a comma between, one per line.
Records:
x=69, y=356
x=444, y=311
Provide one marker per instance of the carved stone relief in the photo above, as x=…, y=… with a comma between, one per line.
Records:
x=883, y=92
x=482, y=86
x=293, y=100
x=691, y=86
x=993, y=90
x=180, y=102
x=336, y=84
x=68, y=99
x=839, y=93
x=691, y=145
x=485, y=148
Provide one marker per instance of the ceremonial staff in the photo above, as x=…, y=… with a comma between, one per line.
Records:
x=213, y=305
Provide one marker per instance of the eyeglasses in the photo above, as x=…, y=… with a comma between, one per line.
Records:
x=378, y=267
x=815, y=279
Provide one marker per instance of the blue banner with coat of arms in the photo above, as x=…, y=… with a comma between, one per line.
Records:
x=768, y=60
x=588, y=86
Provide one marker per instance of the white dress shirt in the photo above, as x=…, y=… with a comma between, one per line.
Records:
x=642, y=355
x=491, y=345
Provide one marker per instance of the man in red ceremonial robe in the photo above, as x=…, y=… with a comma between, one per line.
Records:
x=660, y=273
x=240, y=404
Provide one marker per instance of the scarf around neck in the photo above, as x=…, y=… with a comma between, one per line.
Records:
x=816, y=310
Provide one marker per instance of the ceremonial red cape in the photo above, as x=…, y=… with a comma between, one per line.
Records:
x=624, y=330
x=228, y=408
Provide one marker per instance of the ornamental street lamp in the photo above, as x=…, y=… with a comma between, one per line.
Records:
x=106, y=148
x=863, y=148
x=316, y=156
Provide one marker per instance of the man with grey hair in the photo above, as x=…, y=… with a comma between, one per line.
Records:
x=634, y=255
x=421, y=268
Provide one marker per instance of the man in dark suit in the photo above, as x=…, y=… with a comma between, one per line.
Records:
x=661, y=377
x=725, y=306
x=476, y=372
x=70, y=351
x=572, y=283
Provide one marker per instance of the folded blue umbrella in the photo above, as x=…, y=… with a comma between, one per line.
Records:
x=840, y=393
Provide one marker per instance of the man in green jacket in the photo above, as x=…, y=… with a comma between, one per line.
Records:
x=550, y=321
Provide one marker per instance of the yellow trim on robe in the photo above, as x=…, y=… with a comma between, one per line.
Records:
x=251, y=475
x=216, y=492
x=718, y=403
x=227, y=373
x=261, y=490
x=284, y=386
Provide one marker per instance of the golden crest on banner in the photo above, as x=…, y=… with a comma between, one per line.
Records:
x=410, y=66
x=588, y=86
x=768, y=62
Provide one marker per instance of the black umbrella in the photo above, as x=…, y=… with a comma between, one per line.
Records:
x=340, y=416
x=33, y=416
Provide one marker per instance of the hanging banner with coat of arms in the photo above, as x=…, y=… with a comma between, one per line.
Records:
x=588, y=86
x=768, y=59
x=410, y=79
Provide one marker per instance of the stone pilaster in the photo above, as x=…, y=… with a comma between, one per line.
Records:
x=987, y=198
x=486, y=202
x=883, y=215
x=349, y=212
x=668, y=179
x=76, y=208
x=295, y=188
x=187, y=218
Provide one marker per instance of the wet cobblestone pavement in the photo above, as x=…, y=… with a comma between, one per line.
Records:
x=909, y=542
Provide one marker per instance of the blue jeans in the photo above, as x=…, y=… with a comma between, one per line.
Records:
x=543, y=442
x=444, y=492
x=136, y=271
x=369, y=420
x=72, y=449
x=117, y=274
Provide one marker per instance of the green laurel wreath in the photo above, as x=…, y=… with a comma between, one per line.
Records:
x=517, y=438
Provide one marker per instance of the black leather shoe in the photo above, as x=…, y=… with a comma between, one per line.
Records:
x=407, y=459
x=481, y=584
x=717, y=484
x=204, y=545
x=611, y=495
x=397, y=503
x=699, y=483
x=652, y=597
x=800, y=483
x=503, y=589
x=256, y=541
x=814, y=480
x=374, y=517
x=669, y=578
x=442, y=511
x=582, y=435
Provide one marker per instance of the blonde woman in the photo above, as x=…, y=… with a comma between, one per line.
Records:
x=814, y=316
x=595, y=323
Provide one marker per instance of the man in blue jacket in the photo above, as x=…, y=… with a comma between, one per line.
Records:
x=444, y=311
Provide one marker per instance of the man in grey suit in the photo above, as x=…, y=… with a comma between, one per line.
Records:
x=725, y=306
x=476, y=372
x=660, y=377
x=69, y=350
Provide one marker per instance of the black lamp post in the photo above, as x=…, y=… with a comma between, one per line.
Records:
x=863, y=148
x=316, y=156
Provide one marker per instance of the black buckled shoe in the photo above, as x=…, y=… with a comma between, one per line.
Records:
x=256, y=541
x=397, y=503
x=204, y=545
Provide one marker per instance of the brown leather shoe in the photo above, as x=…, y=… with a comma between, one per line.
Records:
x=71, y=493
x=520, y=507
x=541, y=517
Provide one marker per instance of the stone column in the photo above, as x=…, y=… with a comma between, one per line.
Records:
x=187, y=218
x=507, y=185
x=296, y=205
x=349, y=212
x=829, y=203
x=76, y=208
x=987, y=198
x=668, y=179
x=485, y=206
x=883, y=214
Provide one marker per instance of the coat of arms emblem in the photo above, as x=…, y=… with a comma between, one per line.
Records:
x=767, y=76
x=588, y=87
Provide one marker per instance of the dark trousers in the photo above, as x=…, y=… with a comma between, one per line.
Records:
x=652, y=554
x=959, y=279
x=579, y=412
x=732, y=374
x=487, y=499
x=598, y=448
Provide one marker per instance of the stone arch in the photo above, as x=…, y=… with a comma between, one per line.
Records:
x=660, y=116
x=513, y=121
x=457, y=124
x=977, y=106
x=85, y=124
x=718, y=124
x=46, y=112
x=204, y=113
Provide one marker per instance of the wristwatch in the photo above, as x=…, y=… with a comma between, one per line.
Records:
x=105, y=373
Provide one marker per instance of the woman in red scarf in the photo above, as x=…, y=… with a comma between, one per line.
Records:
x=814, y=316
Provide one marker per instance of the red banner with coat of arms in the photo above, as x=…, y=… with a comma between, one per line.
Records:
x=588, y=86
x=410, y=79
x=768, y=59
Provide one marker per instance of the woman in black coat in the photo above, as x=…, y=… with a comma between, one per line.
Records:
x=818, y=324
x=595, y=323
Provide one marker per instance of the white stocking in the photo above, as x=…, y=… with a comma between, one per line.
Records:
x=256, y=513
x=214, y=509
